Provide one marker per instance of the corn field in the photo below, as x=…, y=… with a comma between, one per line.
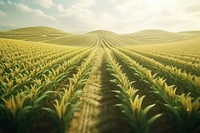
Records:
x=100, y=83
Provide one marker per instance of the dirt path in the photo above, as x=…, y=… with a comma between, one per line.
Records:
x=98, y=114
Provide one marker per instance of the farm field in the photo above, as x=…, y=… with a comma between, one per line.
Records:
x=99, y=82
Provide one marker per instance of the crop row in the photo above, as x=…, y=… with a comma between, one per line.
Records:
x=25, y=92
x=187, y=81
x=131, y=102
x=183, y=109
x=184, y=65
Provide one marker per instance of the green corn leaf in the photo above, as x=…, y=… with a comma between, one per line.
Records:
x=39, y=100
x=55, y=118
x=129, y=116
x=152, y=119
x=52, y=113
x=116, y=91
x=126, y=109
x=175, y=112
x=75, y=96
x=146, y=81
x=48, y=92
x=69, y=113
x=148, y=108
x=23, y=113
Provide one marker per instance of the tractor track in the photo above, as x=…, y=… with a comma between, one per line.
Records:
x=98, y=113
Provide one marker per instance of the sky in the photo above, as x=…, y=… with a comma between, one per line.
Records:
x=120, y=16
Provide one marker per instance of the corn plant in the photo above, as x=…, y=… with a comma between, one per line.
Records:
x=16, y=112
x=20, y=110
x=130, y=102
x=188, y=81
x=64, y=109
x=184, y=65
x=174, y=103
x=187, y=114
x=67, y=104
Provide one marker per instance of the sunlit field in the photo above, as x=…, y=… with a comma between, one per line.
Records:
x=99, y=82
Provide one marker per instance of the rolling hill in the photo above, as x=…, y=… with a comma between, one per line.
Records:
x=55, y=36
x=159, y=36
x=39, y=33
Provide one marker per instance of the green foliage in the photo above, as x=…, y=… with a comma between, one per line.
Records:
x=183, y=109
x=131, y=104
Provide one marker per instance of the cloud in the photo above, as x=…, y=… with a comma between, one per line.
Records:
x=80, y=17
x=84, y=3
x=128, y=16
x=45, y=3
x=60, y=8
x=36, y=12
x=141, y=14
x=76, y=8
x=116, y=15
x=129, y=6
x=194, y=8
